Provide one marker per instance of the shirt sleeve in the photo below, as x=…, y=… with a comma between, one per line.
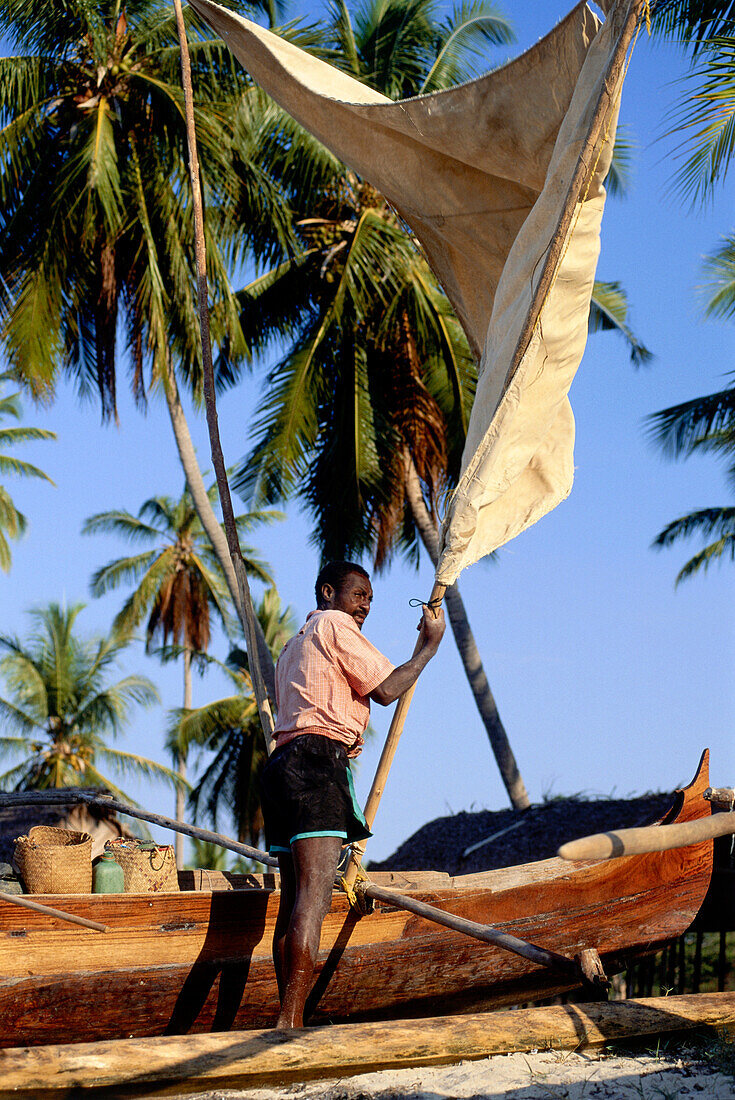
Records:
x=363, y=665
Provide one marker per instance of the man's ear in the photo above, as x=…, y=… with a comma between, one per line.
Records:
x=327, y=593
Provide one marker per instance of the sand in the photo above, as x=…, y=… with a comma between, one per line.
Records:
x=543, y=1075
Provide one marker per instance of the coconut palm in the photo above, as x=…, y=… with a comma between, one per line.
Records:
x=179, y=583
x=96, y=210
x=365, y=415
x=692, y=22
x=704, y=121
x=61, y=707
x=12, y=522
x=230, y=728
x=704, y=425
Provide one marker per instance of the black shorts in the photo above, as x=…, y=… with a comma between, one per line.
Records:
x=306, y=790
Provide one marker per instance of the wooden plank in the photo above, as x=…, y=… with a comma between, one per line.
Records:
x=474, y=929
x=169, y=1065
x=200, y=879
x=71, y=918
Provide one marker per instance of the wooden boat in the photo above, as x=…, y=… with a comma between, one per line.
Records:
x=200, y=960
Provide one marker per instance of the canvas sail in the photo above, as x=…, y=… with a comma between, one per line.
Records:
x=501, y=180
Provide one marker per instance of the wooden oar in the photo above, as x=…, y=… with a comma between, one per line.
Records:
x=650, y=838
x=389, y=751
x=48, y=911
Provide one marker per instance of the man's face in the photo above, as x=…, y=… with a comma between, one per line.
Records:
x=354, y=596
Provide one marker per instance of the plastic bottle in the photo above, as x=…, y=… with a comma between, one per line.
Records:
x=107, y=876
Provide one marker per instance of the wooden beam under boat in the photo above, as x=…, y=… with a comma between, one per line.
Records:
x=250, y=1059
x=200, y=960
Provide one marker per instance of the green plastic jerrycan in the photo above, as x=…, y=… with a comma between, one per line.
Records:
x=107, y=876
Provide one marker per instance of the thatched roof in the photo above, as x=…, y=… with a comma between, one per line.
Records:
x=533, y=834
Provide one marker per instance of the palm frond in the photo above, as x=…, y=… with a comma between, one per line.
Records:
x=609, y=312
x=693, y=22
x=617, y=180
x=718, y=291
x=706, y=122
x=680, y=428
x=707, y=522
x=473, y=25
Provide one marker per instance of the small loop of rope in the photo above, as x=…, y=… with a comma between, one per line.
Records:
x=358, y=901
x=434, y=604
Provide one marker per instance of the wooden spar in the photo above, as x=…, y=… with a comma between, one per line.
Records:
x=179, y=1065
x=389, y=751
x=650, y=838
x=596, y=134
x=469, y=928
x=60, y=797
x=71, y=918
x=244, y=603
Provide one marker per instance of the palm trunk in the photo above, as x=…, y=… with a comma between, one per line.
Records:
x=207, y=518
x=179, y=763
x=468, y=651
x=260, y=657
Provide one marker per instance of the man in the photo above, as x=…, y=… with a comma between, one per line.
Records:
x=325, y=678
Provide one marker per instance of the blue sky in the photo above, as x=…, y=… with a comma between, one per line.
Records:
x=607, y=678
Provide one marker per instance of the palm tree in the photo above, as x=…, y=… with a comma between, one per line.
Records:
x=179, y=583
x=704, y=425
x=61, y=707
x=365, y=415
x=230, y=728
x=95, y=204
x=705, y=123
x=12, y=522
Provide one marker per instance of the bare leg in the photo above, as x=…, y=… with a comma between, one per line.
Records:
x=315, y=866
x=285, y=909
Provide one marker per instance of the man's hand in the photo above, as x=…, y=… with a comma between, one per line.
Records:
x=431, y=627
x=431, y=630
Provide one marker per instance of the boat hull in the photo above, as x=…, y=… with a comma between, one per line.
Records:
x=200, y=960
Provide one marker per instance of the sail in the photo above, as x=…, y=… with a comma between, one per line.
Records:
x=501, y=180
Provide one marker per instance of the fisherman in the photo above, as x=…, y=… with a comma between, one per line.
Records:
x=325, y=678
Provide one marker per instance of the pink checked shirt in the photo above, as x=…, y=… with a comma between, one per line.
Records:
x=324, y=676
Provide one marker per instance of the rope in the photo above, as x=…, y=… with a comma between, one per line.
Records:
x=434, y=604
x=358, y=902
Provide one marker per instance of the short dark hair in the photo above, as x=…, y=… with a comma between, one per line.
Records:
x=334, y=574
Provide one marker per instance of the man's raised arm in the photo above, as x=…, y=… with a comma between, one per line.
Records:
x=431, y=629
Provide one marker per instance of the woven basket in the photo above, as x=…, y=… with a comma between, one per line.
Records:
x=55, y=861
x=146, y=869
